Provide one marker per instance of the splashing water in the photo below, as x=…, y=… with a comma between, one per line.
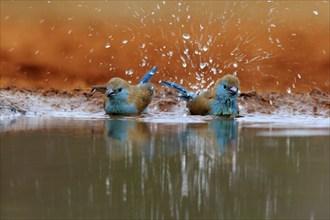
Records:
x=215, y=36
x=256, y=40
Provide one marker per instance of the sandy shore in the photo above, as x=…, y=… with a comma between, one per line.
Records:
x=23, y=101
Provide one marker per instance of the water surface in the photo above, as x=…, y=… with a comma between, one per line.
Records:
x=164, y=168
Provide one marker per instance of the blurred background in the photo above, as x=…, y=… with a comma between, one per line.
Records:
x=280, y=46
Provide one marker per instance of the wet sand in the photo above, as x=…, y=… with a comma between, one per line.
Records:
x=75, y=103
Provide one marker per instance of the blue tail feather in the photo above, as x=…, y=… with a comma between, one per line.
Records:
x=148, y=76
x=184, y=93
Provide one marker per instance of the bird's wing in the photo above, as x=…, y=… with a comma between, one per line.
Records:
x=201, y=104
x=141, y=96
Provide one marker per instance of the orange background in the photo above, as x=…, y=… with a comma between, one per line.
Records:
x=271, y=46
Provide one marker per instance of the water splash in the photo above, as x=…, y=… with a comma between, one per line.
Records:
x=186, y=36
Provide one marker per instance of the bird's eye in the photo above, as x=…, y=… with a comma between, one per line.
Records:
x=224, y=86
x=119, y=90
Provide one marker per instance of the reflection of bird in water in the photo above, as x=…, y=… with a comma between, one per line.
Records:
x=220, y=101
x=128, y=135
x=212, y=138
x=117, y=129
x=225, y=132
x=121, y=98
x=123, y=131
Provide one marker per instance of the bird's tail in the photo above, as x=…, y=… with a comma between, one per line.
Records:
x=183, y=92
x=148, y=76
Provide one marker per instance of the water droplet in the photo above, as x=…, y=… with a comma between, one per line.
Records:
x=107, y=45
x=143, y=63
x=214, y=70
x=209, y=85
x=316, y=12
x=203, y=65
x=288, y=90
x=129, y=72
x=194, y=87
x=299, y=76
x=170, y=53
x=184, y=65
x=198, y=77
x=124, y=41
x=235, y=65
x=186, y=36
x=205, y=48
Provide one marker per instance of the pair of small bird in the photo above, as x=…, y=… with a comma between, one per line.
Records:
x=121, y=98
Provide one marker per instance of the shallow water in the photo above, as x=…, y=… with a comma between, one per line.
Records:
x=165, y=167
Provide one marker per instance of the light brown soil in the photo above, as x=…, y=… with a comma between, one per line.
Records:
x=39, y=101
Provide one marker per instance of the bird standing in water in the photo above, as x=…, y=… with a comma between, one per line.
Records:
x=220, y=101
x=121, y=98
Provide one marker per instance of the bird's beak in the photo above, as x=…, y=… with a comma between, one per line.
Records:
x=110, y=92
x=233, y=90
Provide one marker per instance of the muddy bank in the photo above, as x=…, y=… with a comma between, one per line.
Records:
x=18, y=101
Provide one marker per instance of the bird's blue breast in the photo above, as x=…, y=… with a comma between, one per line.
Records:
x=118, y=105
x=120, y=108
x=224, y=107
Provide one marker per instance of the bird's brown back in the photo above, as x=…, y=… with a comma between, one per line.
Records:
x=141, y=96
x=201, y=104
